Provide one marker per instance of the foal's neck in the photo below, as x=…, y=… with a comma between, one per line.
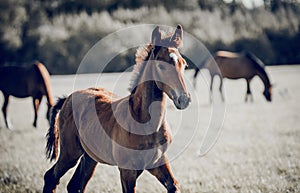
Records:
x=147, y=102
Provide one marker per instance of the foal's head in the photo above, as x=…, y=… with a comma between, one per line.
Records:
x=168, y=66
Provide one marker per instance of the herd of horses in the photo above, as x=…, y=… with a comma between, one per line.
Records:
x=95, y=126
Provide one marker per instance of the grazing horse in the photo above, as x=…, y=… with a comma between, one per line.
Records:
x=24, y=82
x=131, y=132
x=235, y=66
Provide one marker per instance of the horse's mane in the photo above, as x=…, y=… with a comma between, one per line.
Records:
x=260, y=65
x=141, y=57
x=142, y=54
x=255, y=59
x=46, y=81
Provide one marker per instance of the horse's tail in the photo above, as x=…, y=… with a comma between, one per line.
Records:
x=46, y=82
x=52, y=135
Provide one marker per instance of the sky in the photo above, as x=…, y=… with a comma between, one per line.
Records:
x=250, y=3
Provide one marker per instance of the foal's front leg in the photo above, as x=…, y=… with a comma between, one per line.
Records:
x=128, y=179
x=164, y=174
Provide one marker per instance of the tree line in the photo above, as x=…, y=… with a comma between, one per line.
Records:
x=60, y=32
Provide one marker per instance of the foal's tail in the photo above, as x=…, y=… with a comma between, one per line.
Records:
x=52, y=135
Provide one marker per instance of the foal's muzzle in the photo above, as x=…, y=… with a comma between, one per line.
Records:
x=182, y=101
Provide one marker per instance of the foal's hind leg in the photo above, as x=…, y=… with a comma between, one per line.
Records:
x=82, y=175
x=70, y=152
x=4, y=111
x=36, y=103
x=53, y=175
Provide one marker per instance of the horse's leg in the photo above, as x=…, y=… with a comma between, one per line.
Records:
x=164, y=174
x=248, y=91
x=70, y=152
x=211, y=88
x=82, y=175
x=53, y=175
x=195, y=77
x=221, y=87
x=128, y=179
x=4, y=111
x=36, y=103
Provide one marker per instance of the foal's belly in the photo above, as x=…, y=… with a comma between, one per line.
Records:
x=108, y=151
x=138, y=159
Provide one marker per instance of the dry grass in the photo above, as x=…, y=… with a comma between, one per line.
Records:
x=258, y=149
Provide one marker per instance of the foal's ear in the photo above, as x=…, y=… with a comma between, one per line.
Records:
x=156, y=36
x=177, y=37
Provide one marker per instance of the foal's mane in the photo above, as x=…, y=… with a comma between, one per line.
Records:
x=141, y=57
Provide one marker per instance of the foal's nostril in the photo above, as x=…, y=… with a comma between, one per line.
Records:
x=183, y=100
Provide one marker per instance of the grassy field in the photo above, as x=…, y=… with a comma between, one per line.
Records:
x=258, y=149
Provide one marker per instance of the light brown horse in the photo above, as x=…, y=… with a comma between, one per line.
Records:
x=131, y=132
x=235, y=66
x=22, y=82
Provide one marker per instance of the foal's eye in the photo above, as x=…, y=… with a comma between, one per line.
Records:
x=162, y=67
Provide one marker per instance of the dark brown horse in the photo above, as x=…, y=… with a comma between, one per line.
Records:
x=235, y=66
x=21, y=82
x=131, y=132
